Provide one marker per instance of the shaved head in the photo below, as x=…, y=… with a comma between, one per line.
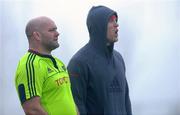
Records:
x=42, y=34
x=36, y=25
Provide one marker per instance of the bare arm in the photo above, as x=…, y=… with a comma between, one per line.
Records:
x=33, y=107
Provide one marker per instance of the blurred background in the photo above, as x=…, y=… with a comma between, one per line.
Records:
x=149, y=41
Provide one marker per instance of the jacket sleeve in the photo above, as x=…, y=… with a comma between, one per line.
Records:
x=78, y=76
x=127, y=98
x=128, y=102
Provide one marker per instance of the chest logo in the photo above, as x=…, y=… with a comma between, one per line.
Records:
x=61, y=81
x=49, y=70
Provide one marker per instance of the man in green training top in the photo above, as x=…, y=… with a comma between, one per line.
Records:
x=42, y=81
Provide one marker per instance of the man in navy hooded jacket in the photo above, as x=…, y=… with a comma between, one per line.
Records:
x=97, y=71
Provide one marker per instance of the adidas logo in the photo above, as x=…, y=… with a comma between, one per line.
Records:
x=115, y=86
x=49, y=70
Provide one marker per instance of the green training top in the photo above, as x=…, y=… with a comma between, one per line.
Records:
x=45, y=76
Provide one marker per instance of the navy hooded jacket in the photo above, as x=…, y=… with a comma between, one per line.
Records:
x=97, y=71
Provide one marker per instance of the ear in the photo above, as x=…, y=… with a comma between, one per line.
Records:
x=37, y=36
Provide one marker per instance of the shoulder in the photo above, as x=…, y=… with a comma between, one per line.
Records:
x=85, y=55
x=29, y=65
x=80, y=59
x=119, y=57
x=29, y=62
x=117, y=54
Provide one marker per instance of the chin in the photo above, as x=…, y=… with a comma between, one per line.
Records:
x=115, y=39
x=55, y=46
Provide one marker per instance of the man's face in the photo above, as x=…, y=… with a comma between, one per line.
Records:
x=49, y=36
x=112, y=29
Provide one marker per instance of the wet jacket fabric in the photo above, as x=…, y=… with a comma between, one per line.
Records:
x=97, y=71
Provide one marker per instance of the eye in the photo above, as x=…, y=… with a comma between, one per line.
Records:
x=52, y=29
x=113, y=18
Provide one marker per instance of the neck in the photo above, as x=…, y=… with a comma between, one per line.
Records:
x=40, y=50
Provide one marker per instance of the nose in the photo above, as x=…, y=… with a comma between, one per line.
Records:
x=57, y=33
x=116, y=25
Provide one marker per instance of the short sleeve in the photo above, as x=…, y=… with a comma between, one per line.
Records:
x=29, y=80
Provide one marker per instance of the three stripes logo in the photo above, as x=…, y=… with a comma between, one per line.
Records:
x=30, y=71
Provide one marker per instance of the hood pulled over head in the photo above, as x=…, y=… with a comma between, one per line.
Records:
x=97, y=21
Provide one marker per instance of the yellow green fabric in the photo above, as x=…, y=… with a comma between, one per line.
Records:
x=45, y=76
